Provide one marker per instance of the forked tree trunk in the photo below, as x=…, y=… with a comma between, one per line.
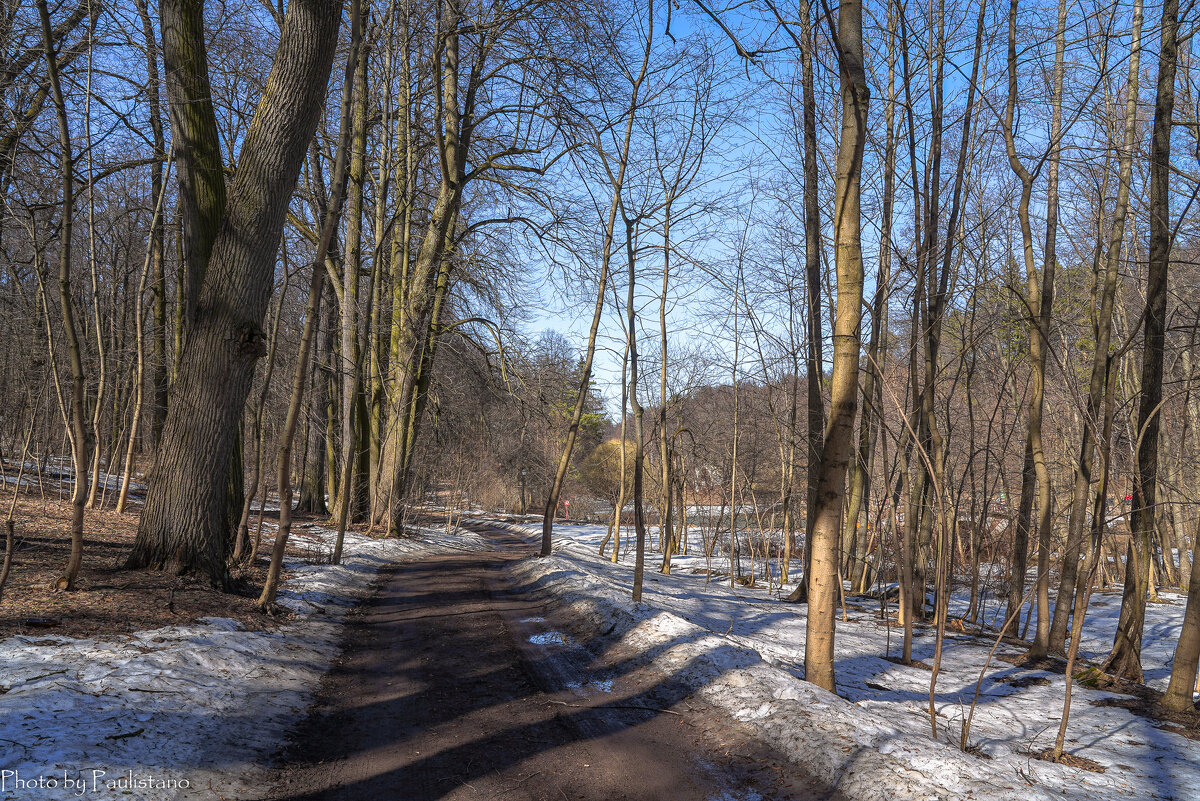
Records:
x=183, y=526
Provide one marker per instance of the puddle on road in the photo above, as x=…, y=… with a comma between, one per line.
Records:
x=549, y=638
x=533, y=620
x=596, y=685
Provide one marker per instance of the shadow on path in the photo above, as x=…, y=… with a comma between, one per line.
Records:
x=439, y=695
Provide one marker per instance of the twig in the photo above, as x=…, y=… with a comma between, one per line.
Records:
x=519, y=783
x=127, y=734
x=618, y=706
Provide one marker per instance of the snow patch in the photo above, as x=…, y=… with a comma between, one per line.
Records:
x=184, y=712
x=743, y=650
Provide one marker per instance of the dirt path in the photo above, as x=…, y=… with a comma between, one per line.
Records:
x=442, y=694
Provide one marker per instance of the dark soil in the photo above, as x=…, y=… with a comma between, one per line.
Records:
x=1145, y=703
x=1050, y=664
x=108, y=599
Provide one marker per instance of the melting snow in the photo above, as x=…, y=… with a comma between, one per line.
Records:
x=744, y=650
x=183, y=712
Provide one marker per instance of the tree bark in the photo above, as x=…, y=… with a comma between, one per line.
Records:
x=1126, y=658
x=1069, y=588
x=835, y=455
x=79, y=433
x=183, y=525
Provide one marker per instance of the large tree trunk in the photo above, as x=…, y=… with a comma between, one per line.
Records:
x=839, y=433
x=196, y=142
x=183, y=526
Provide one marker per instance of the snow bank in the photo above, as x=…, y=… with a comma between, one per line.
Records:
x=183, y=712
x=743, y=651
x=860, y=753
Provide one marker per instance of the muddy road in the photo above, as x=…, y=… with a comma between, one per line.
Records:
x=454, y=686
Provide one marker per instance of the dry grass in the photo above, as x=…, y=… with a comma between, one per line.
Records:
x=1070, y=760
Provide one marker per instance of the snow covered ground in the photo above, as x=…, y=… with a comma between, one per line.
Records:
x=745, y=650
x=183, y=712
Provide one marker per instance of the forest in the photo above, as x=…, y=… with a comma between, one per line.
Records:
x=883, y=308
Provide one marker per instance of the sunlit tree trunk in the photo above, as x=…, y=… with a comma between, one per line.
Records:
x=1069, y=588
x=839, y=433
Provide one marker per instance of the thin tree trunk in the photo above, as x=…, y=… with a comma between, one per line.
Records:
x=1126, y=659
x=241, y=544
x=159, y=380
x=1042, y=643
x=353, y=434
x=617, y=183
x=639, y=459
x=835, y=455
x=312, y=313
x=127, y=473
x=860, y=484
x=1178, y=697
x=1069, y=588
x=665, y=532
x=79, y=434
x=1040, y=300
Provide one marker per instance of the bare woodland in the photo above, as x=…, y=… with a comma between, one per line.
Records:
x=875, y=298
